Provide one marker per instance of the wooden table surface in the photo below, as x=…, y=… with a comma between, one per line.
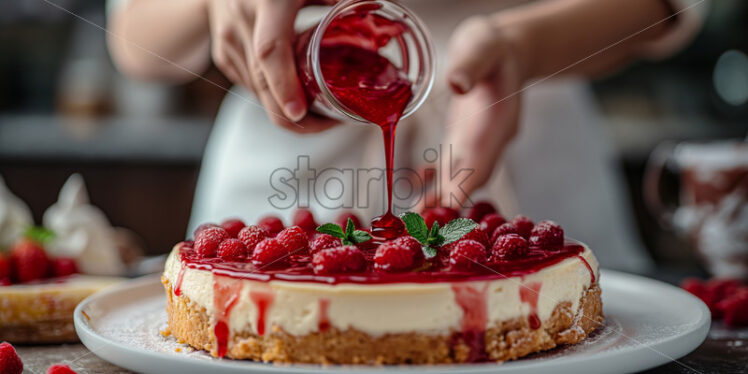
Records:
x=724, y=351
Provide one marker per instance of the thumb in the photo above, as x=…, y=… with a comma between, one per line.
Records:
x=474, y=54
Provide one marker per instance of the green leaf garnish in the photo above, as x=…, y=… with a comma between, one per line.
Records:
x=416, y=226
x=332, y=229
x=456, y=229
x=349, y=236
x=40, y=235
x=436, y=236
x=360, y=236
x=428, y=252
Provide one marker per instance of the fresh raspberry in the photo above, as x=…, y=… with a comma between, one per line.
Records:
x=270, y=251
x=342, y=220
x=5, y=273
x=293, y=238
x=304, y=219
x=251, y=235
x=480, y=210
x=478, y=235
x=714, y=294
x=203, y=227
x=401, y=254
x=506, y=228
x=467, y=254
x=60, y=369
x=271, y=224
x=345, y=259
x=29, y=262
x=208, y=240
x=716, y=290
x=440, y=214
x=63, y=266
x=491, y=221
x=10, y=363
x=547, y=235
x=509, y=246
x=524, y=225
x=324, y=241
x=232, y=250
x=734, y=308
x=233, y=226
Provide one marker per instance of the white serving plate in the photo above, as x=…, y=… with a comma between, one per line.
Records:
x=647, y=324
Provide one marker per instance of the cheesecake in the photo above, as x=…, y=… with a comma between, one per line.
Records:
x=246, y=293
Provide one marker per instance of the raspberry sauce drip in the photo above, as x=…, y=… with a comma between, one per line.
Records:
x=528, y=293
x=369, y=85
x=323, y=323
x=225, y=295
x=178, y=285
x=587, y=264
x=472, y=301
x=300, y=268
x=262, y=300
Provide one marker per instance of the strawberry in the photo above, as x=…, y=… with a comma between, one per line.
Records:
x=60, y=369
x=10, y=363
x=29, y=261
x=5, y=274
x=63, y=266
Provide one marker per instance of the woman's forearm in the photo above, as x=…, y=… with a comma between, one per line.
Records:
x=585, y=37
x=166, y=40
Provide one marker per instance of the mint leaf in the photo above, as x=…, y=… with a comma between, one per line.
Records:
x=416, y=226
x=40, y=235
x=456, y=229
x=435, y=237
x=332, y=229
x=428, y=251
x=350, y=236
x=359, y=236
x=349, y=228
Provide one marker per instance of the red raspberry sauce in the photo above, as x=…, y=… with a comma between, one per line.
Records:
x=263, y=300
x=323, y=323
x=225, y=295
x=366, y=83
x=528, y=293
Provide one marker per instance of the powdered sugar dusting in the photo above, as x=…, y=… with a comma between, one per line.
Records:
x=140, y=325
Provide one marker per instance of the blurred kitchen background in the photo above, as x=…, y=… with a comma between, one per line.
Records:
x=64, y=108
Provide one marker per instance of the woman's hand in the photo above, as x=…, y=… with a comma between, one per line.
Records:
x=252, y=43
x=485, y=73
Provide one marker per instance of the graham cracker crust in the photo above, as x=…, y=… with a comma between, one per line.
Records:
x=512, y=339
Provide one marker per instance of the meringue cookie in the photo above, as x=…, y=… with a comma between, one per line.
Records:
x=82, y=231
x=15, y=216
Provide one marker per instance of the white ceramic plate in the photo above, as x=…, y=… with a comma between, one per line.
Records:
x=647, y=323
